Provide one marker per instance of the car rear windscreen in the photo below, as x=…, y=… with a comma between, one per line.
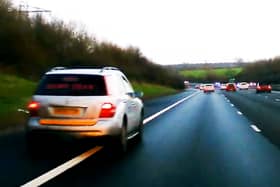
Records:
x=72, y=85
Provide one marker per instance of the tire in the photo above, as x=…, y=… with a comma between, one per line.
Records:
x=121, y=141
x=140, y=128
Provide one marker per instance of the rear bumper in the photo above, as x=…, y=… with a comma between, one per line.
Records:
x=209, y=90
x=106, y=128
x=263, y=90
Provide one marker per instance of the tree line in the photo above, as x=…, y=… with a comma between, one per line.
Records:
x=267, y=71
x=29, y=46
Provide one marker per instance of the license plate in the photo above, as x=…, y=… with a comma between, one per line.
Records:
x=67, y=111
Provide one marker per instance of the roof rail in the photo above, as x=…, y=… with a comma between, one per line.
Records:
x=85, y=67
x=58, y=68
x=109, y=68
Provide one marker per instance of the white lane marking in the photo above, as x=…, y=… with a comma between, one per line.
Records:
x=255, y=128
x=240, y=113
x=73, y=162
x=277, y=100
x=148, y=119
x=62, y=168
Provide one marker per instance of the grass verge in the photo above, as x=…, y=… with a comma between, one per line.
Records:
x=14, y=94
x=152, y=90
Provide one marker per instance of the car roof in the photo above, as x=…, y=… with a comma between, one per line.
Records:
x=85, y=71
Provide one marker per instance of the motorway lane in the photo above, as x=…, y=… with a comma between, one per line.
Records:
x=201, y=142
x=271, y=99
x=155, y=105
x=262, y=109
x=17, y=167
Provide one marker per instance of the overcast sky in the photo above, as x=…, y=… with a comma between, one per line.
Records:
x=178, y=31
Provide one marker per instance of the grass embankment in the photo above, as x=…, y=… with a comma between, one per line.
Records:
x=152, y=90
x=201, y=74
x=15, y=93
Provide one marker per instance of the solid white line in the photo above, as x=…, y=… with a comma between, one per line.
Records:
x=240, y=113
x=73, y=162
x=60, y=169
x=148, y=119
x=255, y=128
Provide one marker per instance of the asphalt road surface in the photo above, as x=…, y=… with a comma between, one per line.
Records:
x=217, y=139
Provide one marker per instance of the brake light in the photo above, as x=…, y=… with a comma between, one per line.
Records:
x=269, y=87
x=108, y=110
x=33, y=108
x=258, y=87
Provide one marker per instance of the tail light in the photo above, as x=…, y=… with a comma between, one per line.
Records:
x=269, y=87
x=108, y=110
x=258, y=87
x=33, y=108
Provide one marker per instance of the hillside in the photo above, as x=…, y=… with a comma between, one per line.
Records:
x=29, y=46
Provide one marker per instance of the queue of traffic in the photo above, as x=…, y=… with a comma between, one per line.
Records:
x=233, y=87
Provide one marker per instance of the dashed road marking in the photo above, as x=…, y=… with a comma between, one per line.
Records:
x=240, y=113
x=255, y=128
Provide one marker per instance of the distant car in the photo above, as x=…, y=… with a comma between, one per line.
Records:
x=84, y=102
x=231, y=87
x=209, y=88
x=223, y=87
x=201, y=87
x=197, y=86
x=243, y=86
x=252, y=85
x=263, y=87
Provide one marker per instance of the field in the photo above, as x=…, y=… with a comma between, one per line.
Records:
x=15, y=93
x=152, y=90
x=219, y=72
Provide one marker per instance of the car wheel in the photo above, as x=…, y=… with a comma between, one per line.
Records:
x=140, y=128
x=122, y=141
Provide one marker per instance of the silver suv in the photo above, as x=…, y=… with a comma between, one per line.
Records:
x=85, y=103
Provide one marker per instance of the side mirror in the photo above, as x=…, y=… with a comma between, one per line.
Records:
x=138, y=94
